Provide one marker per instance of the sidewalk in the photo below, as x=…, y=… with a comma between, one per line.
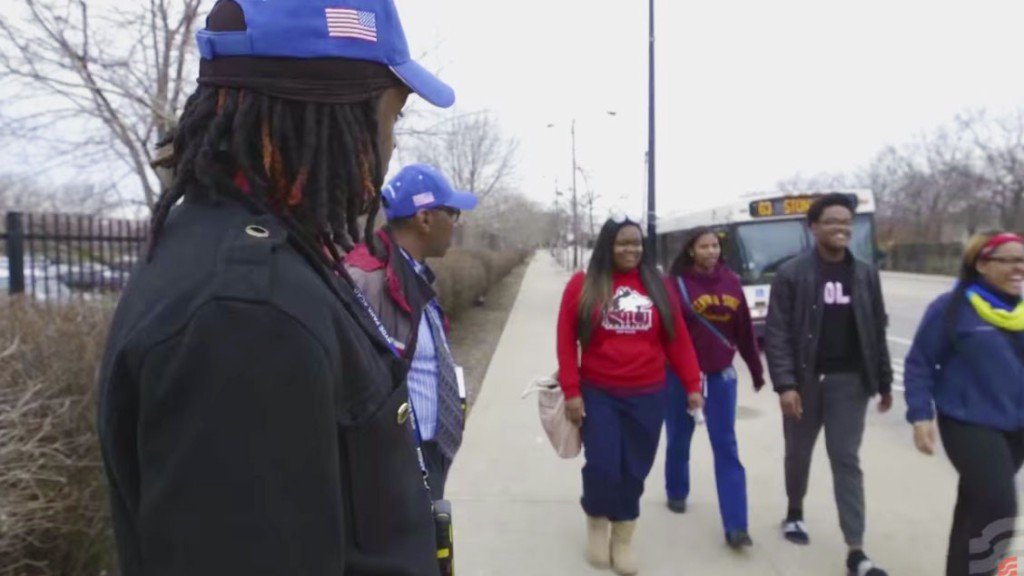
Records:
x=517, y=509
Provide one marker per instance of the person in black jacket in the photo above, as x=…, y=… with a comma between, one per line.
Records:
x=827, y=355
x=252, y=413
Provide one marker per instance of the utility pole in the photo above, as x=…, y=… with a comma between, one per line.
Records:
x=651, y=208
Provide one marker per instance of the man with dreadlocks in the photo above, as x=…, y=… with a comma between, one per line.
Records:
x=253, y=412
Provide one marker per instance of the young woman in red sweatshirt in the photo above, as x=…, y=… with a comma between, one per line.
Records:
x=717, y=316
x=618, y=327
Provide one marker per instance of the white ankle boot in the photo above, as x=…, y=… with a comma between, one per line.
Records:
x=598, y=551
x=623, y=560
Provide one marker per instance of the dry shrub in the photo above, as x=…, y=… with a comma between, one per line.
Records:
x=463, y=276
x=53, y=507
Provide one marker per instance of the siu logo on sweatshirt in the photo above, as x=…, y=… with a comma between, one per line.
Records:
x=629, y=312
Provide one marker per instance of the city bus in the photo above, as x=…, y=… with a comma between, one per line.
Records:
x=761, y=231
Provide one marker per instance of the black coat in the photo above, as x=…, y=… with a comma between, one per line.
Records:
x=794, y=324
x=252, y=419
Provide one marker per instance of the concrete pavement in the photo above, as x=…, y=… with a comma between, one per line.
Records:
x=517, y=504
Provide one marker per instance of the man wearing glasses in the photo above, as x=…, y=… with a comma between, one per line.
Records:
x=422, y=210
x=827, y=354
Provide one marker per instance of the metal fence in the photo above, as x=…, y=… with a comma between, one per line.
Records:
x=59, y=257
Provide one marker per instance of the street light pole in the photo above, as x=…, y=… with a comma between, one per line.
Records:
x=575, y=210
x=651, y=209
x=575, y=215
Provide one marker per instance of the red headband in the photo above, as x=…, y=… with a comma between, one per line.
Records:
x=997, y=241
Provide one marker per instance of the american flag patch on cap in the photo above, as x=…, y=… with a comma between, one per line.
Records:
x=349, y=23
x=423, y=199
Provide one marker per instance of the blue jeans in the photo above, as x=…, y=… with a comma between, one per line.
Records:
x=620, y=440
x=720, y=417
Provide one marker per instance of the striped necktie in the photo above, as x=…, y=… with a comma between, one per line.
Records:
x=450, y=419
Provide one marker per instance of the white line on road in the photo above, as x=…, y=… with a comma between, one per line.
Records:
x=898, y=340
x=897, y=375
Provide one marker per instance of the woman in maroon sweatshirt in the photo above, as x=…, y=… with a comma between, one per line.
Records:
x=717, y=316
x=617, y=328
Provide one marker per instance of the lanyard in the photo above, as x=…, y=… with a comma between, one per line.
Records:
x=394, y=350
x=376, y=320
x=425, y=273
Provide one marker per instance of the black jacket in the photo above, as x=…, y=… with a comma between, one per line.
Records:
x=794, y=324
x=251, y=416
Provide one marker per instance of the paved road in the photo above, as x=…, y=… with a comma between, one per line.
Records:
x=517, y=504
x=906, y=297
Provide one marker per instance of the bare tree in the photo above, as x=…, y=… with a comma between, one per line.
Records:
x=472, y=152
x=512, y=219
x=126, y=95
x=1000, y=147
x=24, y=194
x=919, y=185
x=818, y=182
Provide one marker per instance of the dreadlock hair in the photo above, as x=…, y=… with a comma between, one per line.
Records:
x=315, y=165
x=968, y=275
x=597, y=284
x=684, y=260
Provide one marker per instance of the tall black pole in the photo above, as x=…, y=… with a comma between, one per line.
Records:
x=651, y=209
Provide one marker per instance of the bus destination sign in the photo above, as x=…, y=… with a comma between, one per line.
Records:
x=782, y=206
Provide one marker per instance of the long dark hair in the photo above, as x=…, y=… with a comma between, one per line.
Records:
x=968, y=275
x=684, y=260
x=318, y=165
x=597, y=285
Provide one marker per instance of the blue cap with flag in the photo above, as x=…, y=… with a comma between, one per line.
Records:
x=367, y=30
x=422, y=187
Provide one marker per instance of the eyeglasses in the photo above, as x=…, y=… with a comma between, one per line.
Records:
x=1012, y=260
x=454, y=213
x=835, y=222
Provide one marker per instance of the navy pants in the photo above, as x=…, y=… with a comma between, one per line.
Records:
x=620, y=439
x=720, y=417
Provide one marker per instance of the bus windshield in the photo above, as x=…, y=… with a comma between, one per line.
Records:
x=761, y=247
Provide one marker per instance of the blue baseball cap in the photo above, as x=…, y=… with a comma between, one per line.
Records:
x=367, y=30
x=422, y=187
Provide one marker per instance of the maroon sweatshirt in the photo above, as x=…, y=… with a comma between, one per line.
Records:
x=718, y=297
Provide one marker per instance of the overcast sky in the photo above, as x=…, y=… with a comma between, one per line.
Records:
x=749, y=91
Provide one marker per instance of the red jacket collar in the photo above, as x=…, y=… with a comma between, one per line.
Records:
x=362, y=258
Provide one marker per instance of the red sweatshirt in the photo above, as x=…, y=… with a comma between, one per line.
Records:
x=628, y=348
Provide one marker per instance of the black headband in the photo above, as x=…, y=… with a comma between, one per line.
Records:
x=323, y=80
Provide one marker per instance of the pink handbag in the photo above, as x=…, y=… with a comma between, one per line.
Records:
x=563, y=434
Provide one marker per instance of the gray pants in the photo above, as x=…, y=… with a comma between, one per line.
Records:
x=839, y=402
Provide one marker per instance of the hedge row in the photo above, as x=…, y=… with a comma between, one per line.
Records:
x=464, y=276
x=53, y=507
x=52, y=495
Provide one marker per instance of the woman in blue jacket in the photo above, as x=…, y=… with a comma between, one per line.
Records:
x=966, y=369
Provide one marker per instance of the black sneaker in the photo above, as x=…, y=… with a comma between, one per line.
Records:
x=858, y=564
x=677, y=506
x=737, y=539
x=796, y=532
